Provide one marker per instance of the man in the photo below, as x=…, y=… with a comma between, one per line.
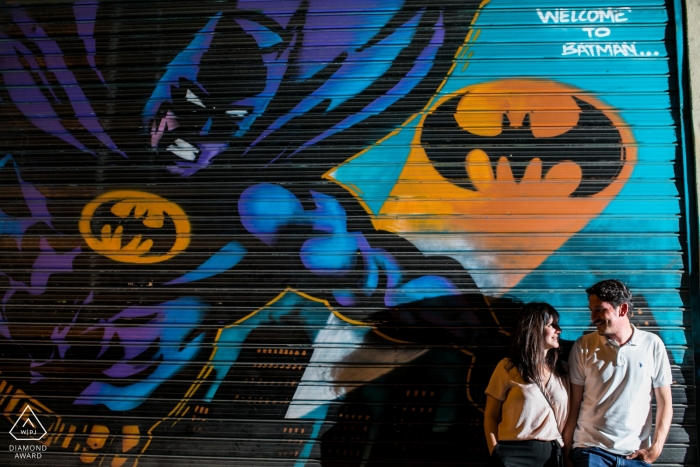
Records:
x=612, y=375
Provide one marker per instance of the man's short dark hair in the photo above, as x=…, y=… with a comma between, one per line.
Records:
x=612, y=291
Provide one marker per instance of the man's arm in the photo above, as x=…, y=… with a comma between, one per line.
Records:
x=575, y=398
x=664, y=415
x=491, y=416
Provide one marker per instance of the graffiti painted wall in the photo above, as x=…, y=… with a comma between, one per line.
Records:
x=285, y=232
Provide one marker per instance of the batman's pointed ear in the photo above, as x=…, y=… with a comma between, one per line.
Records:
x=505, y=121
x=12, y=200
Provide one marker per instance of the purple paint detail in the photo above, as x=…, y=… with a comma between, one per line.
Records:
x=266, y=209
x=27, y=96
x=36, y=377
x=137, y=338
x=391, y=266
x=329, y=214
x=369, y=257
x=208, y=152
x=276, y=68
x=362, y=68
x=420, y=69
x=14, y=287
x=33, y=199
x=36, y=203
x=378, y=259
x=31, y=60
x=279, y=10
x=58, y=336
x=356, y=74
x=184, y=65
x=169, y=329
x=333, y=28
x=53, y=57
x=262, y=35
x=85, y=14
x=344, y=297
x=49, y=262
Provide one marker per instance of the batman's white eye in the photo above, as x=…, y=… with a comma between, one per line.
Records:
x=237, y=113
x=194, y=99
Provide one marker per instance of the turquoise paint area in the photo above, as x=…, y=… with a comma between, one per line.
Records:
x=638, y=232
x=374, y=173
x=314, y=315
x=319, y=415
x=167, y=329
x=420, y=289
x=223, y=260
x=618, y=240
x=573, y=4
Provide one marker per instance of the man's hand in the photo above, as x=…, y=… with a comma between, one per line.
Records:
x=664, y=414
x=646, y=455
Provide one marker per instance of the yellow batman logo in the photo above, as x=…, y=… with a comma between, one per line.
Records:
x=151, y=210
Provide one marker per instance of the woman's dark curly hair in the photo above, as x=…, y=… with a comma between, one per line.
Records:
x=528, y=341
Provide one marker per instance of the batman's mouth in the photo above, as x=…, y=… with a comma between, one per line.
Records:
x=193, y=157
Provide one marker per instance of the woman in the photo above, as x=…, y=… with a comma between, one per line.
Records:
x=528, y=395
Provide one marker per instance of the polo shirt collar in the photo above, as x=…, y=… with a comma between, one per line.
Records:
x=634, y=340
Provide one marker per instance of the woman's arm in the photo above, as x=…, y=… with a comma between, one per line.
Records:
x=491, y=416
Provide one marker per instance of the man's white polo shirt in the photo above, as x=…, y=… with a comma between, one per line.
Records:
x=616, y=408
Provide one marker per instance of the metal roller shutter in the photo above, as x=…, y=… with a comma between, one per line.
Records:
x=286, y=232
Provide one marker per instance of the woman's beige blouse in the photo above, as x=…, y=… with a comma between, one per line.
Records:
x=525, y=413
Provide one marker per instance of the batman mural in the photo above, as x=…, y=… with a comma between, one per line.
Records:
x=176, y=267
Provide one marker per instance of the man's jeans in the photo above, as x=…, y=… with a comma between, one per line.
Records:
x=596, y=457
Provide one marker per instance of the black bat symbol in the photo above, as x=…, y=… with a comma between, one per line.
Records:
x=595, y=144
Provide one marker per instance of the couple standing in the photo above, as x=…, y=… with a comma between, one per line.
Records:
x=599, y=410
